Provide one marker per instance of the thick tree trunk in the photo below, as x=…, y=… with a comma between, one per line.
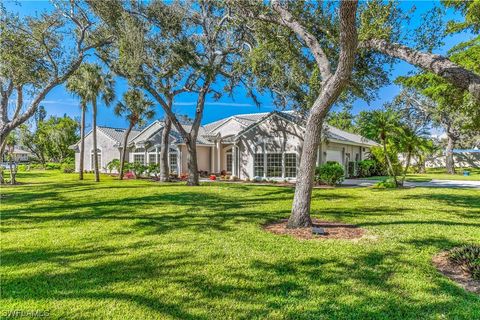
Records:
x=300, y=216
x=331, y=89
x=82, y=143
x=94, y=136
x=449, y=162
x=124, y=150
x=193, y=179
x=164, y=167
x=439, y=65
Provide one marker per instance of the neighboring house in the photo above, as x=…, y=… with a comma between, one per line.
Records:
x=462, y=158
x=247, y=145
x=19, y=155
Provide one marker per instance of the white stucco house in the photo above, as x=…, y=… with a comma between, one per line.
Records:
x=246, y=145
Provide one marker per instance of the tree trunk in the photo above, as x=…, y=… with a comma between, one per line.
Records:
x=332, y=87
x=124, y=150
x=389, y=163
x=94, y=131
x=193, y=179
x=449, y=162
x=12, y=175
x=82, y=142
x=407, y=165
x=300, y=216
x=164, y=167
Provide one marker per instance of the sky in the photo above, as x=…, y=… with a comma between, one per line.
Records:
x=59, y=102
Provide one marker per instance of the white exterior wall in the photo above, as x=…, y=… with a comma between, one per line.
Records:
x=107, y=150
x=203, y=158
x=278, y=134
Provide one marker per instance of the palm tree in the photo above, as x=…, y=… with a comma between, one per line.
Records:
x=77, y=85
x=135, y=108
x=412, y=143
x=97, y=83
x=381, y=126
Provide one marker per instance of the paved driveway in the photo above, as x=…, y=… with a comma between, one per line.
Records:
x=433, y=183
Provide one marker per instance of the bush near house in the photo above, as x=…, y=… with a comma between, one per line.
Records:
x=331, y=173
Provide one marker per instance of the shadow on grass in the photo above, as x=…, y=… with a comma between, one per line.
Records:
x=335, y=287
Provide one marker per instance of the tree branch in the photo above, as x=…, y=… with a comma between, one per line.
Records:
x=437, y=64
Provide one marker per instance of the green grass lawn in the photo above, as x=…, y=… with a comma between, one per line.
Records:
x=438, y=174
x=143, y=250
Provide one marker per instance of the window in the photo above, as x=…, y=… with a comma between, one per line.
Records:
x=152, y=158
x=139, y=158
x=258, y=164
x=274, y=165
x=290, y=165
x=99, y=158
x=229, y=159
x=173, y=162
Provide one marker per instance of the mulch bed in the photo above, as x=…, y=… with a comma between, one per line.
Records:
x=334, y=230
x=455, y=273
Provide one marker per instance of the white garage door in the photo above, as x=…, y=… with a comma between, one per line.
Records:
x=334, y=155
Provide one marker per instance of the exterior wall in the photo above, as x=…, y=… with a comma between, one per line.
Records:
x=348, y=152
x=231, y=127
x=273, y=135
x=203, y=158
x=107, y=150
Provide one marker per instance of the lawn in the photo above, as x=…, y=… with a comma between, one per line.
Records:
x=438, y=174
x=144, y=250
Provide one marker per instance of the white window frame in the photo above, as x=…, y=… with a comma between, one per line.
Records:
x=265, y=154
x=99, y=156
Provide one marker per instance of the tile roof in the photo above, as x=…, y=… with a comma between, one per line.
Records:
x=117, y=134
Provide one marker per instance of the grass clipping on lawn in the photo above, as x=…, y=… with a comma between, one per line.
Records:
x=333, y=230
x=461, y=265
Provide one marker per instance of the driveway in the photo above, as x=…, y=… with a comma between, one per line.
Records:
x=432, y=183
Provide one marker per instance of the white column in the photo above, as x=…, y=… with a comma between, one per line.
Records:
x=212, y=159
x=219, y=155
x=234, y=159
x=145, y=158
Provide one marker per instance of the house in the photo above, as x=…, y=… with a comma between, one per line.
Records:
x=18, y=155
x=246, y=145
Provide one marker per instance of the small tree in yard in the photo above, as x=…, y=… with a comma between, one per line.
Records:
x=97, y=84
x=382, y=126
x=136, y=109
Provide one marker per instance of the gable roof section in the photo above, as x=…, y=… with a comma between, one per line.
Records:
x=332, y=132
x=115, y=134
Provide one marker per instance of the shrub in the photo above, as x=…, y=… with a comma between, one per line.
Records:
x=129, y=175
x=22, y=167
x=68, y=168
x=113, y=165
x=184, y=176
x=468, y=257
x=330, y=173
x=366, y=168
x=213, y=177
x=52, y=166
x=351, y=168
x=386, y=184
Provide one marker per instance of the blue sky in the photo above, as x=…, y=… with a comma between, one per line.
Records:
x=60, y=102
